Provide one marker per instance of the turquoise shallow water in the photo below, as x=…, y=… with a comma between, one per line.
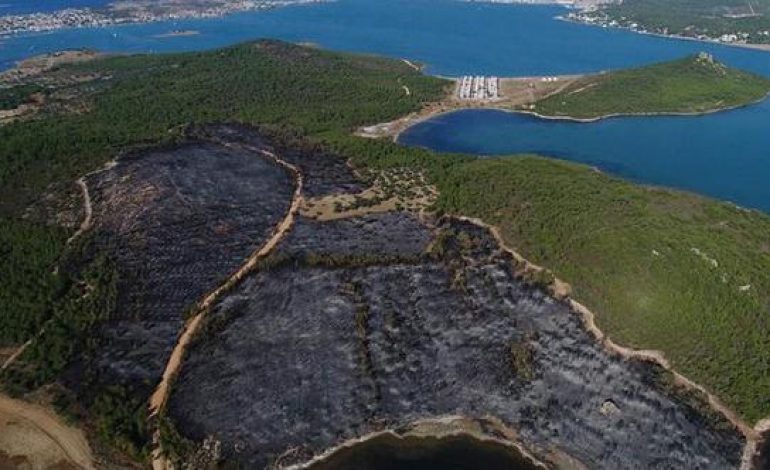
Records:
x=725, y=155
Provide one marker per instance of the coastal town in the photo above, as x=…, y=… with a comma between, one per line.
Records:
x=140, y=11
x=750, y=35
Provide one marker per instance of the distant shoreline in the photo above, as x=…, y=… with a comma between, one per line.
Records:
x=394, y=129
x=756, y=47
x=604, y=117
x=140, y=12
x=411, y=121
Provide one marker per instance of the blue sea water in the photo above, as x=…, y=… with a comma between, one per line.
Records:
x=725, y=155
x=452, y=37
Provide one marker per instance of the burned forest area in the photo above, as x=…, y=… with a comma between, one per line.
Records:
x=278, y=335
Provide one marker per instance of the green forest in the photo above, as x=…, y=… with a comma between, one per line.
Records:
x=691, y=85
x=712, y=18
x=14, y=96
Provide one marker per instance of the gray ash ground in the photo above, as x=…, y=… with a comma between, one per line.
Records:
x=177, y=222
x=761, y=460
x=386, y=234
x=323, y=173
x=307, y=355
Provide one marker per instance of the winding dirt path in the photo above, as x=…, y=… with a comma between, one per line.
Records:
x=159, y=398
x=88, y=211
x=84, y=226
x=33, y=432
x=753, y=446
x=20, y=350
x=40, y=437
x=561, y=291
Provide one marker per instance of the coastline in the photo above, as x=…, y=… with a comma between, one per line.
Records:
x=603, y=117
x=440, y=427
x=394, y=129
x=113, y=14
x=756, y=47
x=757, y=436
x=520, y=95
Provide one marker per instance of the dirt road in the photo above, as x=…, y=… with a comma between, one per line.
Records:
x=34, y=437
x=160, y=396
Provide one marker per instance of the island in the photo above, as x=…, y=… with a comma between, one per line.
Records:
x=178, y=33
x=203, y=264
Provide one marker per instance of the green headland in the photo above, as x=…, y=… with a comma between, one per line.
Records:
x=693, y=85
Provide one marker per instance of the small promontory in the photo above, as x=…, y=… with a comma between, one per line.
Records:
x=693, y=85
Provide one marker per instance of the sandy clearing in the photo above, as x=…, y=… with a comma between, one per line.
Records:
x=515, y=94
x=388, y=193
x=39, y=438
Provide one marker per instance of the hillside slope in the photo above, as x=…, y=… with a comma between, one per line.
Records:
x=662, y=269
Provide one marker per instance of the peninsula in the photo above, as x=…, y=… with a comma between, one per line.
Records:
x=203, y=265
x=697, y=84
x=693, y=85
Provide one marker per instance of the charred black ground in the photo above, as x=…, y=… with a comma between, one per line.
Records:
x=177, y=222
x=343, y=332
